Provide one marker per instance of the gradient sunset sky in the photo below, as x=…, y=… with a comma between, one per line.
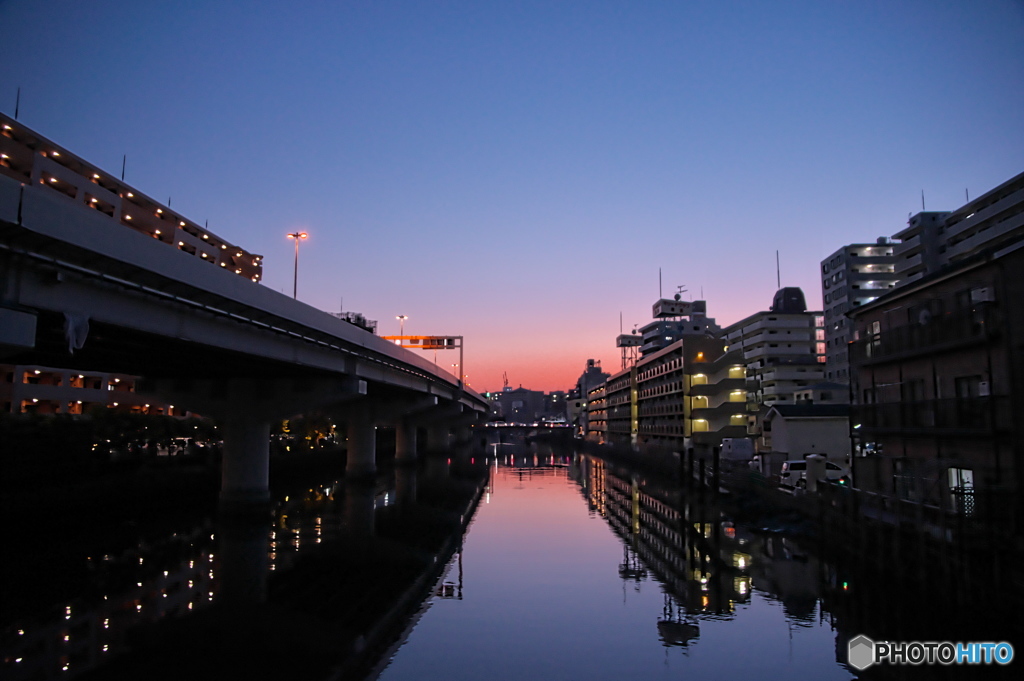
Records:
x=517, y=172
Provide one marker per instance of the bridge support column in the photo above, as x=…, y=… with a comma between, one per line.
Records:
x=405, y=441
x=245, y=408
x=405, y=485
x=245, y=471
x=437, y=437
x=362, y=445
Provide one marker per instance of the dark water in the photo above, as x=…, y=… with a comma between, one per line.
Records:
x=561, y=579
x=572, y=568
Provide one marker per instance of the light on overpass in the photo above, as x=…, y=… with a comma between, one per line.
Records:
x=297, y=236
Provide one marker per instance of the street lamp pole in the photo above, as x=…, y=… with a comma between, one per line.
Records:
x=297, y=236
x=401, y=323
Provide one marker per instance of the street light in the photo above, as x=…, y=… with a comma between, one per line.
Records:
x=295, y=282
x=401, y=323
x=455, y=370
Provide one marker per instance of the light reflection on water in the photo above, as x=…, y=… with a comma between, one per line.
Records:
x=184, y=573
x=575, y=571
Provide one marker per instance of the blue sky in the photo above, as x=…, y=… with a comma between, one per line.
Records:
x=517, y=172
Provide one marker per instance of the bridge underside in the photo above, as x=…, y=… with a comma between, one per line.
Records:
x=218, y=345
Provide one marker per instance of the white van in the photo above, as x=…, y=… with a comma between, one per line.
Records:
x=794, y=473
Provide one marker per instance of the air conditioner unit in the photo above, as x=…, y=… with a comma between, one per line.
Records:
x=983, y=294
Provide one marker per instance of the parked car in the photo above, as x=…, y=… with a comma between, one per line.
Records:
x=794, y=473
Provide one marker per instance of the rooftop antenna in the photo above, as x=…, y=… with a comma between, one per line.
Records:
x=17, y=103
x=778, y=272
x=168, y=202
x=620, y=321
x=966, y=196
x=702, y=293
x=124, y=161
x=659, y=283
x=922, y=200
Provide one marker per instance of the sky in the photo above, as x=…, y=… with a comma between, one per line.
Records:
x=517, y=172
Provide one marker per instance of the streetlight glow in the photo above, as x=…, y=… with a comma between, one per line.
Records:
x=297, y=236
x=401, y=323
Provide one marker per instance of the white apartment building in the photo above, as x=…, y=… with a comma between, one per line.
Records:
x=783, y=349
x=852, y=276
x=934, y=240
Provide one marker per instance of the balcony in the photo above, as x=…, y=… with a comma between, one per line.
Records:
x=714, y=437
x=966, y=416
x=943, y=332
x=726, y=385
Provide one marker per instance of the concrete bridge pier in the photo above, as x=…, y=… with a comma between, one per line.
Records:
x=362, y=444
x=245, y=409
x=407, y=417
x=405, y=485
x=245, y=469
x=405, y=441
x=438, y=437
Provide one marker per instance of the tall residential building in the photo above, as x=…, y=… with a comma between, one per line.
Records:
x=934, y=240
x=994, y=218
x=850, y=277
x=783, y=348
x=917, y=249
x=676, y=319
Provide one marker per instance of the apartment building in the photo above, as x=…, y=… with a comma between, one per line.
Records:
x=938, y=382
x=933, y=240
x=673, y=320
x=783, y=348
x=28, y=158
x=689, y=394
x=852, y=276
x=45, y=390
x=917, y=250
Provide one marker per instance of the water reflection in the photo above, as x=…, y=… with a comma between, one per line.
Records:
x=335, y=559
x=634, y=580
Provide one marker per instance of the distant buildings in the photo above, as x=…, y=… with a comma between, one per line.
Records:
x=577, y=413
x=520, y=405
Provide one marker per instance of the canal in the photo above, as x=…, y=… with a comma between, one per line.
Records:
x=572, y=570
x=529, y=562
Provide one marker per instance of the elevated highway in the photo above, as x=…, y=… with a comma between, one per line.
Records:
x=81, y=290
